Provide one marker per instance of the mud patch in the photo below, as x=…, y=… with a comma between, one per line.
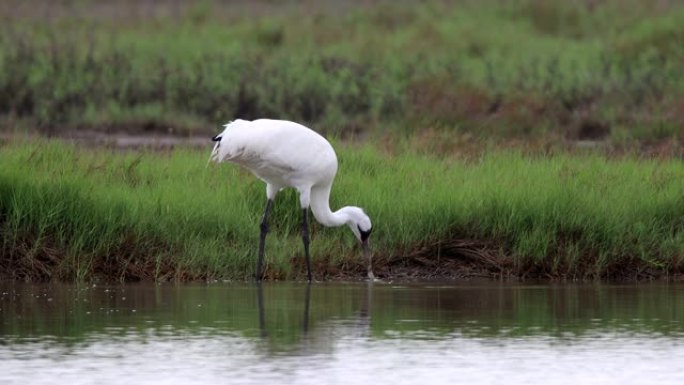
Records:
x=121, y=140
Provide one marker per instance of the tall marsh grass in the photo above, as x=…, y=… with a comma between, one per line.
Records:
x=577, y=70
x=76, y=214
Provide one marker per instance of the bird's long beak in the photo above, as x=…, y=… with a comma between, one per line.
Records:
x=367, y=254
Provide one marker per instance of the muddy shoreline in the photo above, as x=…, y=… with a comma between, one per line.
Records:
x=119, y=140
x=402, y=270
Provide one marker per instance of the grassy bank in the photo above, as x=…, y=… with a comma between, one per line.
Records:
x=485, y=69
x=75, y=214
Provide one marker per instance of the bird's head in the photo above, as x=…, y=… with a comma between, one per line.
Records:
x=360, y=224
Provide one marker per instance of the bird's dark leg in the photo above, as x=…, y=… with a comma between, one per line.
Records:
x=262, y=239
x=305, y=239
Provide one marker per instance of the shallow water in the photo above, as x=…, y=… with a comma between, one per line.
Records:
x=342, y=333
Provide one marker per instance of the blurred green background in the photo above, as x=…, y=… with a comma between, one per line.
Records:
x=448, y=72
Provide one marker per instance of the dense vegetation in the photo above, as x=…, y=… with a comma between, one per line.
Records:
x=76, y=214
x=489, y=69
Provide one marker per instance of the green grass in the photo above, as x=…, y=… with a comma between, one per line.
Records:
x=75, y=214
x=491, y=69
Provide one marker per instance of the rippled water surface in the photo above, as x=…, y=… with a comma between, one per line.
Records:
x=470, y=333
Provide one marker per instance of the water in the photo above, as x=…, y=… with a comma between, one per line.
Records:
x=342, y=333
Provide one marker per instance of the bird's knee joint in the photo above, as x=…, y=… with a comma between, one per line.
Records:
x=264, y=227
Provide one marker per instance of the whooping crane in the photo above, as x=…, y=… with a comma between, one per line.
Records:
x=287, y=154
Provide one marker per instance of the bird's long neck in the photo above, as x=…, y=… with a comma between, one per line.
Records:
x=320, y=207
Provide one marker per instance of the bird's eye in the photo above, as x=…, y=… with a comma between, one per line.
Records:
x=217, y=138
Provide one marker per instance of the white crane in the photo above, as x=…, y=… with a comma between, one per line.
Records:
x=287, y=154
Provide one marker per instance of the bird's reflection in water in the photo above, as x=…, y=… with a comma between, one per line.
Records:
x=260, y=305
x=262, y=312
x=358, y=325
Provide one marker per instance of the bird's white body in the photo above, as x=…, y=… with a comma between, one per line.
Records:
x=288, y=154
x=283, y=154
